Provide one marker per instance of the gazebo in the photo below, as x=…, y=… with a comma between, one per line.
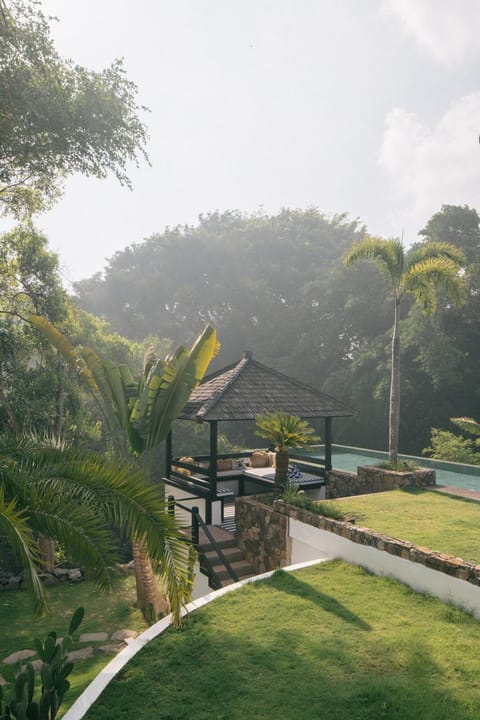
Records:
x=242, y=391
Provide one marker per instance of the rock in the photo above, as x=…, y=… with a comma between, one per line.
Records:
x=49, y=579
x=18, y=656
x=108, y=649
x=14, y=583
x=93, y=637
x=61, y=572
x=75, y=575
x=124, y=635
x=82, y=654
x=2, y=681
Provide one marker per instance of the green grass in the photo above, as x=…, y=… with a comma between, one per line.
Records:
x=326, y=642
x=427, y=518
x=103, y=613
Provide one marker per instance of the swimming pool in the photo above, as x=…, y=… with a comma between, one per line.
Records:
x=448, y=473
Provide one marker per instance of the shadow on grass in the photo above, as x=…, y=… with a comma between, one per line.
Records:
x=288, y=583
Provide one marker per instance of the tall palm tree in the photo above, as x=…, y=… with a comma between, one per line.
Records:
x=423, y=272
x=138, y=414
x=284, y=432
x=76, y=498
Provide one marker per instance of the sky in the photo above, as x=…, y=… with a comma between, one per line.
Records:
x=370, y=108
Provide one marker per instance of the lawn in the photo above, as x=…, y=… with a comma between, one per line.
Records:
x=440, y=522
x=328, y=641
x=103, y=613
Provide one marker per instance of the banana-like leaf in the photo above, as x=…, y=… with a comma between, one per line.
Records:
x=169, y=385
x=61, y=344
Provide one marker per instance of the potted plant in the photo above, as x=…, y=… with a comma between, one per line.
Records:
x=284, y=432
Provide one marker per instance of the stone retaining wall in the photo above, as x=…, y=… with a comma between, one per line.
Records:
x=262, y=534
x=371, y=479
x=453, y=566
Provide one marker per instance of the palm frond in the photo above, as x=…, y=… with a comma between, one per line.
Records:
x=15, y=527
x=434, y=249
x=388, y=255
x=467, y=424
x=169, y=385
x=427, y=277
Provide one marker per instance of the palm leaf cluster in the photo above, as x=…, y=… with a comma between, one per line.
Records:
x=285, y=431
x=77, y=498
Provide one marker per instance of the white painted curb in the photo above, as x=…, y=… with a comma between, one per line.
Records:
x=97, y=686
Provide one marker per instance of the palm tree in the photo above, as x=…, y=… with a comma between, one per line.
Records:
x=284, y=432
x=138, y=414
x=76, y=498
x=425, y=270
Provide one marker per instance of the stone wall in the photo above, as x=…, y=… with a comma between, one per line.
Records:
x=453, y=566
x=371, y=479
x=262, y=534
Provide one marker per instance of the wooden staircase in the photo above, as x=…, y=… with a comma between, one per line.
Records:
x=210, y=560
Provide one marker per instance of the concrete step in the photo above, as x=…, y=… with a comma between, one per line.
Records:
x=242, y=569
x=232, y=554
x=223, y=539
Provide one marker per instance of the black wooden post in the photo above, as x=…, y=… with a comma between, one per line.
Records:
x=195, y=524
x=212, y=471
x=171, y=505
x=328, y=444
x=168, y=455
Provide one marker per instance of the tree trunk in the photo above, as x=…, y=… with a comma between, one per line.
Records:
x=149, y=598
x=394, y=408
x=281, y=468
x=47, y=552
x=59, y=399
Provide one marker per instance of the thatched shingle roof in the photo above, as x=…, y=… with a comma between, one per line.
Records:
x=247, y=388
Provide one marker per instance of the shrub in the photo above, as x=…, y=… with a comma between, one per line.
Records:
x=455, y=448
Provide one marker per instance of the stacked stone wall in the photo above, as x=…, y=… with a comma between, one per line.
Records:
x=453, y=566
x=371, y=479
x=262, y=534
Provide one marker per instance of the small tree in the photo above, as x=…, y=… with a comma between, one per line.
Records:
x=284, y=432
x=422, y=273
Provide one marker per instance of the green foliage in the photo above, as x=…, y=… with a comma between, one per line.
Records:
x=285, y=431
x=139, y=413
x=292, y=495
x=446, y=445
x=398, y=466
x=57, y=117
x=54, y=671
x=76, y=498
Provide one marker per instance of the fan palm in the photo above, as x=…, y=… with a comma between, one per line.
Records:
x=76, y=498
x=284, y=432
x=429, y=268
x=138, y=414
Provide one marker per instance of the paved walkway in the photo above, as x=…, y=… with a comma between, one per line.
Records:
x=92, y=644
x=459, y=492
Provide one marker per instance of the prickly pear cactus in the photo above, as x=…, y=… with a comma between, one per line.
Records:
x=54, y=672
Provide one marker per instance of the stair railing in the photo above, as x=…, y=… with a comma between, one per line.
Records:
x=197, y=523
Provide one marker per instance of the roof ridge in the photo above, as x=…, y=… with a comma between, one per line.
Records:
x=239, y=368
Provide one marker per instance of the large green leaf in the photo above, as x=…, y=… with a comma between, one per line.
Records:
x=169, y=386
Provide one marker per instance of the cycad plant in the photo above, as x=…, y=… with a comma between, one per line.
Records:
x=421, y=273
x=284, y=432
x=138, y=414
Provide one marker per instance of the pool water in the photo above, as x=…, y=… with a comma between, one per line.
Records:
x=448, y=473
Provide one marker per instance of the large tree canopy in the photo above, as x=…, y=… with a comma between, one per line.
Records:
x=56, y=117
x=276, y=285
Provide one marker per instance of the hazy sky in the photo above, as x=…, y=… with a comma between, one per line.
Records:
x=370, y=107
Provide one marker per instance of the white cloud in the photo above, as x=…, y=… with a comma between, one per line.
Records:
x=431, y=166
x=448, y=30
